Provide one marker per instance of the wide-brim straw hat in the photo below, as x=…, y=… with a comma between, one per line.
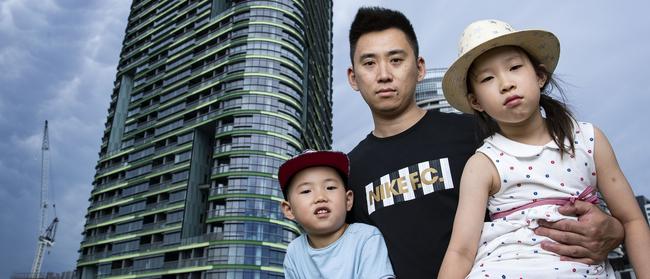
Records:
x=483, y=35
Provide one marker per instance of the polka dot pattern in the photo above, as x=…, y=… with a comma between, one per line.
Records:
x=509, y=248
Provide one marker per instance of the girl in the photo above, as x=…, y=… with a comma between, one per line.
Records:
x=531, y=163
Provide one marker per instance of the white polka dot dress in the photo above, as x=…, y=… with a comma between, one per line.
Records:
x=508, y=247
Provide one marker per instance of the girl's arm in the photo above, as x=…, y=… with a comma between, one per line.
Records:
x=621, y=202
x=476, y=185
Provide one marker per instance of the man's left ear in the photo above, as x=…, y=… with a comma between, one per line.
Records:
x=349, y=199
x=352, y=79
x=422, y=68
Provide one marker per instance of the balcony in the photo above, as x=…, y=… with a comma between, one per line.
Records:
x=119, y=271
x=186, y=241
x=140, y=59
x=157, y=205
x=238, y=212
x=107, y=185
x=164, y=149
x=102, y=219
x=244, y=168
x=166, y=266
x=225, y=128
x=160, y=168
x=154, y=226
x=140, y=126
x=104, y=202
x=99, y=237
x=111, y=168
x=150, y=246
x=225, y=190
x=158, y=186
x=184, y=263
x=95, y=256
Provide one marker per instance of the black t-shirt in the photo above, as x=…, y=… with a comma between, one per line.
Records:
x=407, y=186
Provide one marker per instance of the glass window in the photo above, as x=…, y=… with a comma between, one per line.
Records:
x=138, y=171
x=172, y=238
x=175, y=216
x=182, y=157
x=148, y=263
x=179, y=176
x=127, y=246
x=129, y=227
x=177, y=196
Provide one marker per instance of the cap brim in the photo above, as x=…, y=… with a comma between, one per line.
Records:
x=334, y=159
x=542, y=45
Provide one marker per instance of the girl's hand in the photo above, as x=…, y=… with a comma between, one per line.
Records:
x=587, y=240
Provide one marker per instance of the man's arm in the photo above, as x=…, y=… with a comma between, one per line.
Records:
x=590, y=239
x=587, y=240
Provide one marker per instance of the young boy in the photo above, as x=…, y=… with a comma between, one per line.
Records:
x=314, y=185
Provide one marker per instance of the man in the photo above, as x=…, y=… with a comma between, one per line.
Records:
x=405, y=173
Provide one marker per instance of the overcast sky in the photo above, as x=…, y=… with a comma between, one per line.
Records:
x=58, y=62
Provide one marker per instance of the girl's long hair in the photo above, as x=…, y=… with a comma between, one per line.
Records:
x=558, y=118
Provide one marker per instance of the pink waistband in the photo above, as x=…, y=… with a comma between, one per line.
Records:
x=588, y=195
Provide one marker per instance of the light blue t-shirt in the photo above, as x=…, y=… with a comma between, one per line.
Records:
x=359, y=253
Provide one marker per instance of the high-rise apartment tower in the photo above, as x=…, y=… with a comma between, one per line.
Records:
x=428, y=92
x=210, y=97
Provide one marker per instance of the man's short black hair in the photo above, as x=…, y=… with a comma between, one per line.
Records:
x=373, y=19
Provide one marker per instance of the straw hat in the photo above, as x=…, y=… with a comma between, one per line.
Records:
x=483, y=35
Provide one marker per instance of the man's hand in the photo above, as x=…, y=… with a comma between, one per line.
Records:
x=587, y=240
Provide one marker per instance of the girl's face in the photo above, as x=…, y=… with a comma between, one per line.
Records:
x=504, y=84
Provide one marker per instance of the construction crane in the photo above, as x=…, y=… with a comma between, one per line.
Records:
x=45, y=235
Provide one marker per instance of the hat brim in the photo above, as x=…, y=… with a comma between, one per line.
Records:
x=542, y=45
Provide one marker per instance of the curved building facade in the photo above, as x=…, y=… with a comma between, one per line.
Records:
x=210, y=98
x=428, y=92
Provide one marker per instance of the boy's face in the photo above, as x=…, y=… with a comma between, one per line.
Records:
x=386, y=71
x=318, y=201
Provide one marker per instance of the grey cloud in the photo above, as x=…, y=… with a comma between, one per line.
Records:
x=14, y=62
x=68, y=51
x=58, y=61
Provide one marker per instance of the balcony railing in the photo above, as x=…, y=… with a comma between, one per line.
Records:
x=107, y=185
x=111, y=168
x=183, y=242
x=100, y=237
x=105, y=202
x=263, y=213
x=184, y=263
x=99, y=220
x=166, y=266
x=95, y=256
x=244, y=167
x=154, y=226
x=271, y=191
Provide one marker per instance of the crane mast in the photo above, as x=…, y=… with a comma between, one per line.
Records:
x=45, y=172
x=45, y=235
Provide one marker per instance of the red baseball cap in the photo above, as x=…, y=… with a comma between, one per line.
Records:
x=312, y=158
